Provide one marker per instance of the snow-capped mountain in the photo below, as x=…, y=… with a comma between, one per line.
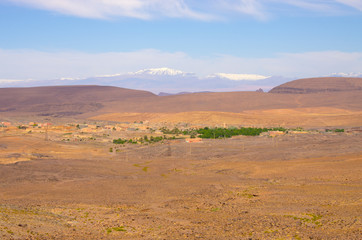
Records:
x=167, y=80
x=238, y=77
x=161, y=72
x=345, y=75
x=151, y=72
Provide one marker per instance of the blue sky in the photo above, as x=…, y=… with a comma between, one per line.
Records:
x=47, y=39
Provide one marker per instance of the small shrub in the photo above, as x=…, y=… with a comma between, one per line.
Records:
x=215, y=209
x=119, y=229
x=339, y=130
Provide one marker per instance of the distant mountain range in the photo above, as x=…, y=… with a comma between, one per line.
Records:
x=88, y=101
x=166, y=81
x=355, y=75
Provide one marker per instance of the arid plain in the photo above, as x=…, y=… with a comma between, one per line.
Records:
x=62, y=177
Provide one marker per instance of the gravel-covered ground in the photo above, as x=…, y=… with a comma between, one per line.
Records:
x=303, y=186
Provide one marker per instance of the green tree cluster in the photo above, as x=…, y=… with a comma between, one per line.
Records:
x=175, y=131
x=229, y=132
x=145, y=139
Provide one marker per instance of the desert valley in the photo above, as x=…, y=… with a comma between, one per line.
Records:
x=97, y=162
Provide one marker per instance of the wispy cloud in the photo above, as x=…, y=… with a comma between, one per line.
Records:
x=254, y=8
x=194, y=9
x=357, y=4
x=29, y=64
x=312, y=5
x=105, y=9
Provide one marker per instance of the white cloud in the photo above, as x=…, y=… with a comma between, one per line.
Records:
x=332, y=6
x=28, y=64
x=352, y=3
x=194, y=9
x=312, y=5
x=246, y=7
x=142, y=9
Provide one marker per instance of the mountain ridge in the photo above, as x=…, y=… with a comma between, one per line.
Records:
x=317, y=85
x=87, y=101
x=166, y=80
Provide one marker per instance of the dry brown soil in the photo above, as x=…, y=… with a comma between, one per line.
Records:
x=299, y=117
x=304, y=186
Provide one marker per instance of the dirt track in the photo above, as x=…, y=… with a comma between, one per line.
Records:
x=305, y=186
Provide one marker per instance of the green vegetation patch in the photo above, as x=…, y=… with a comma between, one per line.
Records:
x=247, y=194
x=174, y=131
x=215, y=209
x=119, y=141
x=229, y=132
x=215, y=133
x=310, y=218
x=145, y=139
x=335, y=130
x=117, y=229
x=144, y=168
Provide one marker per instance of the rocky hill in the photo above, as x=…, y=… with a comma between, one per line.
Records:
x=318, y=85
x=65, y=100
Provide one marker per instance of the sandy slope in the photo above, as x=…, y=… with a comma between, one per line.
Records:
x=20, y=148
x=302, y=117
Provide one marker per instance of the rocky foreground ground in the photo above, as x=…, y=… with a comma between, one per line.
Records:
x=303, y=186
